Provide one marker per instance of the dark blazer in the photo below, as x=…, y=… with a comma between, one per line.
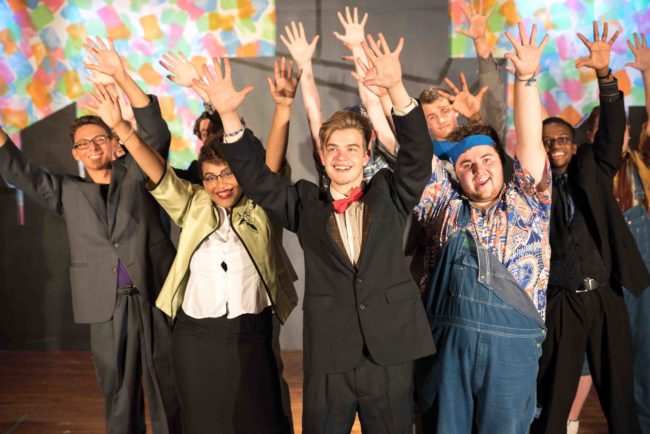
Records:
x=127, y=226
x=377, y=302
x=592, y=171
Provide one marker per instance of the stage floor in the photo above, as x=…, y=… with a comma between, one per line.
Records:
x=57, y=392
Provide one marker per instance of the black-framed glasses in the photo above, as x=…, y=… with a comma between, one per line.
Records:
x=211, y=178
x=562, y=140
x=98, y=140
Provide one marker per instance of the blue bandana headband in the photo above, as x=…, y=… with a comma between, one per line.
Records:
x=452, y=150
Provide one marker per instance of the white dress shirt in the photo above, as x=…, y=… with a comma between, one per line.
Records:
x=223, y=279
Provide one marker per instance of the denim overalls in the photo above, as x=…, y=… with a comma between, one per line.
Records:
x=489, y=339
x=639, y=309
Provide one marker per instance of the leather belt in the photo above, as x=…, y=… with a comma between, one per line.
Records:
x=127, y=290
x=588, y=284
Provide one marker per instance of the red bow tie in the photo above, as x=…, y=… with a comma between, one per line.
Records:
x=340, y=205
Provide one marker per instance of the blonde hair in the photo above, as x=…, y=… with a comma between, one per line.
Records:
x=343, y=120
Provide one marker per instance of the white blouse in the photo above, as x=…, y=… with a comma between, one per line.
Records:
x=223, y=279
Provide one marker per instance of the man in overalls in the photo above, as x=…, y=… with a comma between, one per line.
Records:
x=486, y=296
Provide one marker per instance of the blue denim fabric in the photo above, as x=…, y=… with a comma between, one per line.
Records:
x=488, y=335
x=639, y=312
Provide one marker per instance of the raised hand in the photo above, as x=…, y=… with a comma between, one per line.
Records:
x=476, y=19
x=526, y=57
x=107, y=61
x=98, y=77
x=641, y=53
x=296, y=42
x=385, y=68
x=105, y=105
x=284, y=85
x=183, y=72
x=354, y=30
x=463, y=102
x=599, y=51
x=368, y=74
x=219, y=88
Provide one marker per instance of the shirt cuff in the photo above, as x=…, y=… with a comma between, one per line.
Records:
x=234, y=136
x=609, y=90
x=405, y=110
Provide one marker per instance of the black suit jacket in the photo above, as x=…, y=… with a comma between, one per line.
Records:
x=126, y=226
x=592, y=171
x=377, y=302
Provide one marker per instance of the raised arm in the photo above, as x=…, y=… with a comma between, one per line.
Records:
x=283, y=91
x=151, y=125
x=106, y=106
x=302, y=52
x=371, y=97
x=608, y=142
x=31, y=179
x=240, y=149
x=413, y=166
x=493, y=109
x=641, y=53
x=528, y=108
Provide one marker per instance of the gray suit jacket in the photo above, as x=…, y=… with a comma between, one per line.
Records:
x=127, y=226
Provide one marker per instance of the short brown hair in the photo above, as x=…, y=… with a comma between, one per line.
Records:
x=342, y=120
x=430, y=94
x=213, y=129
x=88, y=120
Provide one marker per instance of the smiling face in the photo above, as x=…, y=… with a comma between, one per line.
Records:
x=343, y=157
x=221, y=184
x=94, y=157
x=441, y=118
x=480, y=173
x=559, y=145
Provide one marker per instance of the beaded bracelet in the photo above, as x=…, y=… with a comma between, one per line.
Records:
x=529, y=81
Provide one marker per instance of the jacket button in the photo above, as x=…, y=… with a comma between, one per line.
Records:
x=116, y=245
x=114, y=270
x=358, y=281
x=362, y=306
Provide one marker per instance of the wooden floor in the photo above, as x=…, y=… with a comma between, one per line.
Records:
x=57, y=392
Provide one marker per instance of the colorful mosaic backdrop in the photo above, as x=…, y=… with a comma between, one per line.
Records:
x=41, y=66
x=565, y=90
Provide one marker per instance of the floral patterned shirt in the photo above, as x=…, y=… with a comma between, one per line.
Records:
x=515, y=229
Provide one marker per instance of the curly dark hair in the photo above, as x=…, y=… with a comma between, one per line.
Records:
x=474, y=128
x=88, y=120
x=213, y=129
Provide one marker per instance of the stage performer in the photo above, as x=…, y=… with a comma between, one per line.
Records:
x=228, y=279
x=120, y=255
x=594, y=256
x=363, y=319
x=486, y=296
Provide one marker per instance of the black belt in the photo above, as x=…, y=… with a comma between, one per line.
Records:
x=588, y=284
x=127, y=290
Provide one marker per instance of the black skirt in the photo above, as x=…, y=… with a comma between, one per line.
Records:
x=226, y=375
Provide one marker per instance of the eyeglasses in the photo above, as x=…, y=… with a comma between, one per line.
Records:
x=211, y=178
x=562, y=140
x=97, y=140
x=442, y=114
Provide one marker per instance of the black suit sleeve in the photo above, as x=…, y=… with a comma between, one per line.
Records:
x=31, y=179
x=413, y=166
x=608, y=142
x=266, y=188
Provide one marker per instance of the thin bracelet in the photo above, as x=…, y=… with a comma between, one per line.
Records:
x=123, y=142
x=528, y=81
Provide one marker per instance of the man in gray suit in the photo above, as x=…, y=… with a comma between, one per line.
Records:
x=120, y=255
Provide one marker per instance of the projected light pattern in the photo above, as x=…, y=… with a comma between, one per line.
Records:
x=565, y=90
x=41, y=66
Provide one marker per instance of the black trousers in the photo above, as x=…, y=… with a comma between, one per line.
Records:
x=227, y=376
x=132, y=348
x=594, y=323
x=382, y=395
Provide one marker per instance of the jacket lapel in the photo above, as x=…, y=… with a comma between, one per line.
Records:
x=117, y=177
x=93, y=195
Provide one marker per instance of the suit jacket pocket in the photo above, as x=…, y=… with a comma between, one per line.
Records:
x=402, y=291
x=318, y=302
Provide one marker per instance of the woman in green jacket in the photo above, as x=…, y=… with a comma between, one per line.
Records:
x=229, y=276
